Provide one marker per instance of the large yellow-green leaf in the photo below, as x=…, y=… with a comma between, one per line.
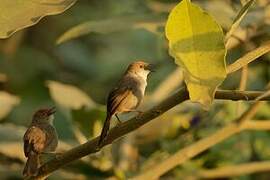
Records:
x=196, y=42
x=18, y=14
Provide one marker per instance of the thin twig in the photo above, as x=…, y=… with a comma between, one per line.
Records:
x=249, y=57
x=235, y=170
x=242, y=87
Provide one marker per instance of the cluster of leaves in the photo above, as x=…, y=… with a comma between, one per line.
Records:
x=76, y=69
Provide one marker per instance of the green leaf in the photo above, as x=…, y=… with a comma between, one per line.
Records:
x=196, y=42
x=149, y=22
x=7, y=102
x=69, y=96
x=19, y=14
x=241, y=14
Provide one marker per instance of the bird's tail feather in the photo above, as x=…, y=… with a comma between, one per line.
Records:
x=32, y=165
x=105, y=129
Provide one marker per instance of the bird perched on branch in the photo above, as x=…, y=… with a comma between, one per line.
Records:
x=40, y=137
x=127, y=95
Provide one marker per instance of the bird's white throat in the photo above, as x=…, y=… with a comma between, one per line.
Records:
x=143, y=74
x=143, y=79
x=51, y=118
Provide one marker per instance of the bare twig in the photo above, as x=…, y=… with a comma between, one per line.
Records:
x=249, y=57
x=242, y=87
x=235, y=170
x=239, y=17
x=244, y=78
x=256, y=125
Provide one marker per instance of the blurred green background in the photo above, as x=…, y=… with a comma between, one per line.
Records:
x=77, y=75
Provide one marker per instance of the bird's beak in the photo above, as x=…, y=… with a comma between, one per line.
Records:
x=51, y=111
x=150, y=67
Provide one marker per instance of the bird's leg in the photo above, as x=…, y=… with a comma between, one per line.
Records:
x=137, y=111
x=118, y=118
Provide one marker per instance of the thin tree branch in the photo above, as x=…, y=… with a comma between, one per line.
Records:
x=136, y=122
x=239, y=17
x=256, y=125
x=244, y=78
x=116, y=132
x=235, y=170
x=242, y=87
x=236, y=95
x=249, y=113
x=249, y=57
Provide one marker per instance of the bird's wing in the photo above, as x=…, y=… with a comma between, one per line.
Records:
x=51, y=139
x=116, y=97
x=126, y=87
x=34, y=140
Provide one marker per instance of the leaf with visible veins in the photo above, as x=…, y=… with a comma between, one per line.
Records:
x=196, y=42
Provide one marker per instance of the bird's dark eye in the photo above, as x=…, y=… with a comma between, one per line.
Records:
x=141, y=66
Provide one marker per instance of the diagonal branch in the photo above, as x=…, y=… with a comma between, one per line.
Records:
x=134, y=123
x=248, y=58
x=235, y=170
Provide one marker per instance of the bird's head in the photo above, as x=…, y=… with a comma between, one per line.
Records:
x=44, y=115
x=140, y=68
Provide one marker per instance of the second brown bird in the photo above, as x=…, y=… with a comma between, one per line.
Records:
x=40, y=137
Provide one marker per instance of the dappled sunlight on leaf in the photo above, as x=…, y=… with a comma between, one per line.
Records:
x=196, y=43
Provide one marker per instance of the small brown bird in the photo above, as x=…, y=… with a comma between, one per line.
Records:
x=128, y=93
x=40, y=137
